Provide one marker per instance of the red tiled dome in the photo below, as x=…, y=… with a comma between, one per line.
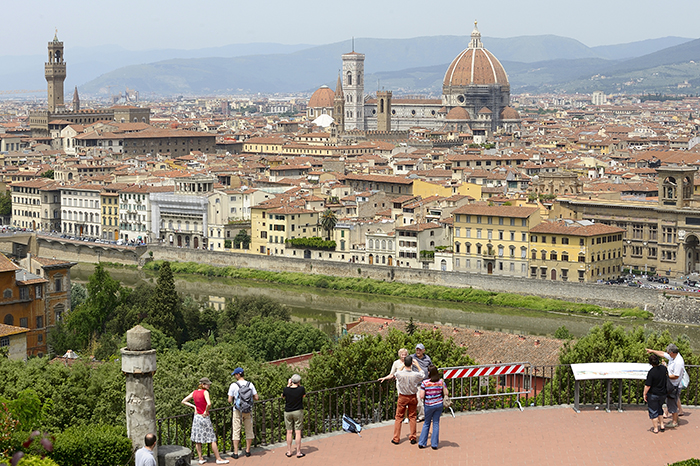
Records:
x=509, y=113
x=322, y=98
x=457, y=113
x=475, y=66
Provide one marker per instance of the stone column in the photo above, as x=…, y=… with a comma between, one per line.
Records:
x=139, y=365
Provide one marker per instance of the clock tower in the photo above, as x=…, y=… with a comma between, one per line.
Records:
x=55, y=73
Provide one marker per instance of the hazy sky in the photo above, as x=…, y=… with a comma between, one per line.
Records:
x=153, y=24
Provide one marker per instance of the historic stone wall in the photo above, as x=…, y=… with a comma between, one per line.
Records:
x=671, y=309
x=88, y=252
x=605, y=295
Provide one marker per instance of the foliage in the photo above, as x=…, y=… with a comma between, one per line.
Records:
x=165, y=310
x=30, y=460
x=413, y=290
x=371, y=357
x=610, y=343
x=6, y=203
x=268, y=339
x=242, y=239
x=562, y=333
x=312, y=243
x=25, y=408
x=242, y=310
x=328, y=222
x=78, y=295
x=689, y=462
x=227, y=243
x=411, y=327
x=96, y=445
x=47, y=174
x=8, y=424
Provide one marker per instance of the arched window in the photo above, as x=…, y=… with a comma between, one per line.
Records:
x=370, y=244
x=349, y=78
x=383, y=244
x=9, y=320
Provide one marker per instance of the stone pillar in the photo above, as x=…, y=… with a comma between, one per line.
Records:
x=139, y=365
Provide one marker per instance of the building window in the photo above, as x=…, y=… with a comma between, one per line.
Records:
x=58, y=285
x=37, y=292
x=565, y=241
x=7, y=294
x=23, y=322
x=23, y=293
x=40, y=322
x=565, y=257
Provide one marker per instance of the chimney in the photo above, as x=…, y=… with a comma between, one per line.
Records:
x=477, y=333
x=521, y=337
x=537, y=342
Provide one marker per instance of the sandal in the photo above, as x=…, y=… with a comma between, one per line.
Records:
x=288, y=455
x=301, y=455
x=653, y=431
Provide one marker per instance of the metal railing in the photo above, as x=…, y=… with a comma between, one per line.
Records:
x=374, y=402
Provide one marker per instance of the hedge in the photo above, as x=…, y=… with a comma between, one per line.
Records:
x=96, y=445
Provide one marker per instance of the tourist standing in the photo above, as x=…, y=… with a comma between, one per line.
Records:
x=432, y=391
x=144, y=456
x=655, y=392
x=202, y=430
x=407, y=382
x=242, y=394
x=676, y=369
x=395, y=367
x=423, y=361
x=293, y=395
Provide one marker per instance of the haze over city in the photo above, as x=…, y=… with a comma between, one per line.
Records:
x=136, y=25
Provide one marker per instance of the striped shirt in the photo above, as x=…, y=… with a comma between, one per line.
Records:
x=433, y=392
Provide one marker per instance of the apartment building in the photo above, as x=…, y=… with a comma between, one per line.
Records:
x=575, y=250
x=493, y=239
x=81, y=212
x=34, y=204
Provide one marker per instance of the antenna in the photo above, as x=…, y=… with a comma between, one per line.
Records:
x=353, y=44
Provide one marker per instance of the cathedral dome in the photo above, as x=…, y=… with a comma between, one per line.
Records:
x=457, y=113
x=475, y=66
x=322, y=98
x=509, y=113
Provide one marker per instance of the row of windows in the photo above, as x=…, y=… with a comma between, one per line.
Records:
x=500, y=234
x=490, y=220
x=500, y=266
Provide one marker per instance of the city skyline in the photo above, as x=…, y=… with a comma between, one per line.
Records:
x=157, y=25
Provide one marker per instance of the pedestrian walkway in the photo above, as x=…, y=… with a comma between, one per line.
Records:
x=536, y=436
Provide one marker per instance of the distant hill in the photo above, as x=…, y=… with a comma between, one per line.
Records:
x=417, y=65
x=637, y=49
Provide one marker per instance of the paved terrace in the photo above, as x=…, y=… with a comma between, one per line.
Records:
x=537, y=436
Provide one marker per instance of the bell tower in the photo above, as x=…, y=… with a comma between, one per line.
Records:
x=354, y=89
x=55, y=73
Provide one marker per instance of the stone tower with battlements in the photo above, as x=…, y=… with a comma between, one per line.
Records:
x=354, y=90
x=55, y=73
x=384, y=110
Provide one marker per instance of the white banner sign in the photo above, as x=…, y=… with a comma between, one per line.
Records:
x=610, y=370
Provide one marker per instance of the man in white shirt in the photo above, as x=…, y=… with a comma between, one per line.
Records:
x=144, y=456
x=241, y=417
x=407, y=383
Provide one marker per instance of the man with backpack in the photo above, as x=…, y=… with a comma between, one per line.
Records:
x=242, y=394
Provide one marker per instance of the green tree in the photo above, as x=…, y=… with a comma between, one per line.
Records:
x=369, y=358
x=47, y=174
x=243, y=309
x=241, y=240
x=411, y=327
x=6, y=203
x=88, y=321
x=78, y=295
x=165, y=306
x=269, y=339
x=562, y=333
x=328, y=222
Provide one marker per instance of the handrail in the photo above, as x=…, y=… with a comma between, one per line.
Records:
x=372, y=402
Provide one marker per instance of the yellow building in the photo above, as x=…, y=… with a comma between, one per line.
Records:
x=110, y=215
x=575, y=250
x=426, y=189
x=272, y=225
x=493, y=239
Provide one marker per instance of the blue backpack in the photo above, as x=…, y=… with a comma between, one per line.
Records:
x=244, y=400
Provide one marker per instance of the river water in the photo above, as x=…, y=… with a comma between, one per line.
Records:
x=330, y=310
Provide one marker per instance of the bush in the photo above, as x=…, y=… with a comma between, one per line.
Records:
x=30, y=460
x=96, y=445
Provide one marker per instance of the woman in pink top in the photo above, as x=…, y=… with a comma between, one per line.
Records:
x=433, y=391
x=202, y=430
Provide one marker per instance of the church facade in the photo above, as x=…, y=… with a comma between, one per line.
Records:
x=475, y=99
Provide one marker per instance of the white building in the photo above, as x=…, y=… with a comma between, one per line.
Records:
x=80, y=210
